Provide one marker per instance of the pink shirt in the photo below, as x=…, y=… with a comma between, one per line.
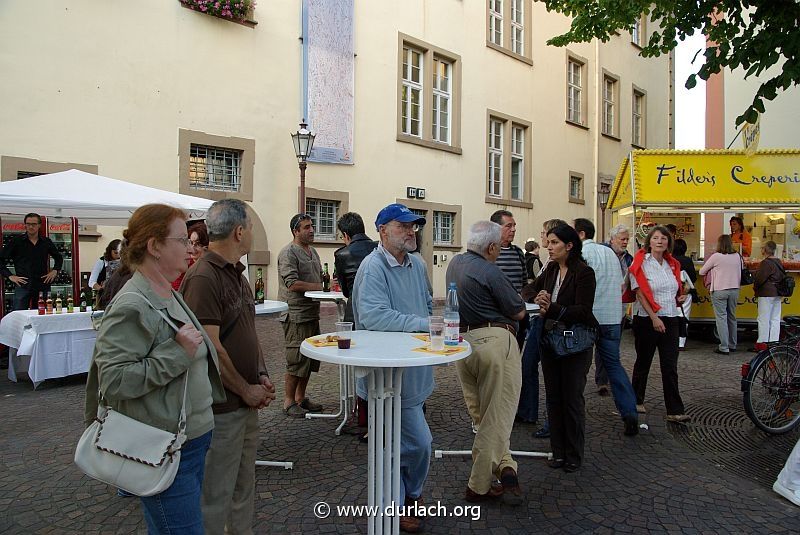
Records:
x=722, y=271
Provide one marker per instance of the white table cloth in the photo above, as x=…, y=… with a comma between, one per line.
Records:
x=49, y=346
x=381, y=357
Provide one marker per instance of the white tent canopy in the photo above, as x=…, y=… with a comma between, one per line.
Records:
x=91, y=197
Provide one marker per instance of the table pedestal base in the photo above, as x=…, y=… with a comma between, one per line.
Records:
x=347, y=397
x=383, y=487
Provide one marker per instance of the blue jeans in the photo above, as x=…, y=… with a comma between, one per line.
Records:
x=177, y=509
x=607, y=351
x=528, y=409
x=415, y=451
x=27, y=298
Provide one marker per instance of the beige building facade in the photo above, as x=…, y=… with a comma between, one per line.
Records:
x=160, y=95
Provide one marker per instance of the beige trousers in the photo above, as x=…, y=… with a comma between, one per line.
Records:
x=229, y=482
x=491, y=378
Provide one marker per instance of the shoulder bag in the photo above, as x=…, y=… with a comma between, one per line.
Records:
x=747, y=275
x=129, y=454
x=566, y=340
x=785, y=284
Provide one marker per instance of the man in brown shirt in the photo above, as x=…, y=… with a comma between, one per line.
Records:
x=299, y=271
x=220, y=296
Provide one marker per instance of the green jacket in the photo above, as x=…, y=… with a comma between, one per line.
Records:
x=136, y=359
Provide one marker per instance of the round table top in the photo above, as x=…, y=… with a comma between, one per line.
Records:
x=271, y=307
x=376, y=349
x=323, y=296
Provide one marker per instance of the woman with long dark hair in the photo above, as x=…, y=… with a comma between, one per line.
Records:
x=104, y=266
x=565, y=293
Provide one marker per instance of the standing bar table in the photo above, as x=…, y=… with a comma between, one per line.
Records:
x=381, y=357
x=271, y=308
x=347, y=381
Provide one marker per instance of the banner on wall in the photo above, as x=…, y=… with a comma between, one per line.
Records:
x=329, y=78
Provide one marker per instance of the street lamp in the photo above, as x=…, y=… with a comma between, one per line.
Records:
x=602, y=197
x=303, y=141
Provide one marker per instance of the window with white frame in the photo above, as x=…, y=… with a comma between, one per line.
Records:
x=429, y=87
x=496, y=22
x=412, y=92
x=495, y=158
x=574, y=91
x=575, y=187
x=323, y=214
x=609, y=106
x=517, y=162
x=442, y=97
x=637, y=32
x=214, y=168
x=517, y=27
x=443, y=228
x=638, y=119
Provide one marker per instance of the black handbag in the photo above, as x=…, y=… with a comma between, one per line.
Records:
x=747, y=276
x=563, y=340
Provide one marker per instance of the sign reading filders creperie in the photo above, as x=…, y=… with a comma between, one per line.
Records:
x=708, y=178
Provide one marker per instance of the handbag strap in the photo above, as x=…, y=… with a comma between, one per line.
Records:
x=182, y=420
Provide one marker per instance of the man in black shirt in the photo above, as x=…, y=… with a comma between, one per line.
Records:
x=29, y=255
x=347, y=259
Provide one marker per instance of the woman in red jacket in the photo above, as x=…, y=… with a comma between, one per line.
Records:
x=655, y=277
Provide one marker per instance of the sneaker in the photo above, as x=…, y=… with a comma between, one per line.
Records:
x=310, y=406
x=678, y=418
x=512, y=493
x=602, y=390
x=295, y=411
x=791, y=495
x=640, y=408
x=631, y=425
x=720, y=352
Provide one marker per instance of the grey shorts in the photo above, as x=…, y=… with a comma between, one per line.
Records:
x=298, y=364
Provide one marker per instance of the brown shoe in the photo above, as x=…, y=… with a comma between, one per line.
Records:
x=295, y=411
x=512, y=493
x=310, y=406
x=410, y=524
x=494, y=493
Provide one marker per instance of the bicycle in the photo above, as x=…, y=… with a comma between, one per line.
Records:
x=771, y=383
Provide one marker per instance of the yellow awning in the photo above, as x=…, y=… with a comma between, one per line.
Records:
x=717, y=179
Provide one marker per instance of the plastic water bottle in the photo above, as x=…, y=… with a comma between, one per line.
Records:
x=451, y=318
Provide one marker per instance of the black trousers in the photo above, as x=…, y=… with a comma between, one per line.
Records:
x=564, y=381
x=646, y=341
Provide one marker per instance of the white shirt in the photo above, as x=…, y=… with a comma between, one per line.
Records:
x=663, y=284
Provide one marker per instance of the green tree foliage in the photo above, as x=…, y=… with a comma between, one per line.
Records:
x=750, y=35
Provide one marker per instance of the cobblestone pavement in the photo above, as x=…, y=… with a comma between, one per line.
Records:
x=671, y=478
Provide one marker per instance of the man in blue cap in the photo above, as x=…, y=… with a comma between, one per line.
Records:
x=391, y=294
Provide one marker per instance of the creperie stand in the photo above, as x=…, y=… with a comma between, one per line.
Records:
x=698, y=192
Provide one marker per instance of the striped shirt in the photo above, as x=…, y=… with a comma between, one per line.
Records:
x=608, y=292
x=664, y=285
x=512, y=264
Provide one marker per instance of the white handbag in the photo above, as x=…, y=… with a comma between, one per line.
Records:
x=128, y=454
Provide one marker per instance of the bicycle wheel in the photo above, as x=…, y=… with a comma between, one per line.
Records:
x=772, y=390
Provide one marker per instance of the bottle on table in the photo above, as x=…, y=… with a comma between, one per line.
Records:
x=326, y=278
x=70, y=304
x=335, y=286
x=42, y=306
x=59, y=304
x=82, y=307
x=259, y=297
x=49, y=305
x=451, y=318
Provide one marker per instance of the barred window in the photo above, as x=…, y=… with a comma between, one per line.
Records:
x=323, y=214
x=443, y=228
x=575, y=187
x=214, y=168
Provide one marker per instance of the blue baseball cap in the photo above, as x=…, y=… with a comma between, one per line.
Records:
x=397, y=212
